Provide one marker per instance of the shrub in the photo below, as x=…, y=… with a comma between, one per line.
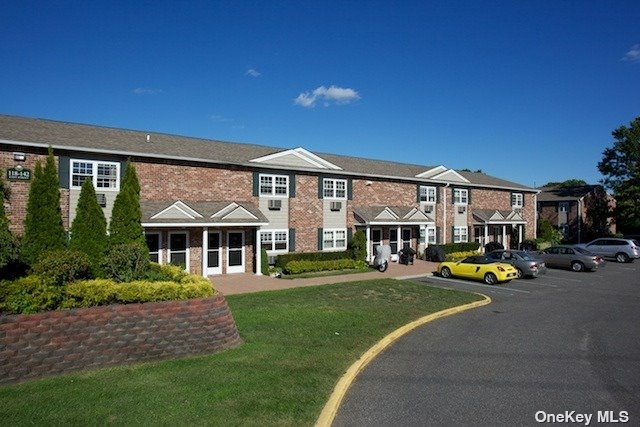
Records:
x=126, y=217
x=63, y=267
x=89, y=228
x=358, y=245
x=303, y=266
x=459, y=247
x=127, y=262
x=454, y=256
x=284, y=259
x=9, y=249
x=165, y=273
x=264, y=262
x=29, y=294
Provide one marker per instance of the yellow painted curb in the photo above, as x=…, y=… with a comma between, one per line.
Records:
x=331, y=407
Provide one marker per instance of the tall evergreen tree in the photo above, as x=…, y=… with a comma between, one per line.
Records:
x=126, y=216
x=8, y=242
x=89, y=228
x=43, y=229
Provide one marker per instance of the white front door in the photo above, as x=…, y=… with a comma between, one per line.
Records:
x=235, y=252
x=214, y=253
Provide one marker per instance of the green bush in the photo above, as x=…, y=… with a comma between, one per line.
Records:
x=165, y=273
x=127, y=262
x=303, y=266
x=460, y=247
x=454, y=256
x=284, y=259
x=89, y=229
x=63, y=267
x=29, y=294
x=358, y=245
x=264, y=262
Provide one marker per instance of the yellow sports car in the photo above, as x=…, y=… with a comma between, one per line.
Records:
x=479, y=267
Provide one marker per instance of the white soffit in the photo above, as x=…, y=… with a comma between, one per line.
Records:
x=431, y=172
x=296, y=157
x=177, y=210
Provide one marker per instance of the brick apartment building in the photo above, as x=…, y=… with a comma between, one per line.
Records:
x=212, y=205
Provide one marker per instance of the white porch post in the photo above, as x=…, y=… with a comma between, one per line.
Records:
x=520, y=236
x=486, y=234
x=504, y=235
x=400, y=239
x=258, y=245
x=368, y=232
x=205, y=246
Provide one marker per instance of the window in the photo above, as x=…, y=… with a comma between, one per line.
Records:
x=104, y=175
x=563, y=206
x=427, y=194
x=179, y=249
x=154, y=244
x=275, y=240
x=274, y=185
x=460, y=196
x=517, y=200
x=334, y=239
x=460, y=234
x=334, y=188
x=431, y=235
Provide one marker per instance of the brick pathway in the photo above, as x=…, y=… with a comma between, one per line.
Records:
x=244, y=283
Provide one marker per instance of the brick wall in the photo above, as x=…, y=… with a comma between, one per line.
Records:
x=305, y=213
x=37, y=345
x=383, y=193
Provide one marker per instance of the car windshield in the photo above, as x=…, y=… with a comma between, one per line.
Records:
x=583, y=251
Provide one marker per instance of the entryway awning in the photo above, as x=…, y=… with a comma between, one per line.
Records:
x=391, y=215
x=497, y=217
x=177, y=213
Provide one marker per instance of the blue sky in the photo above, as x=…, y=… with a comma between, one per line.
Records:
x=528, y=91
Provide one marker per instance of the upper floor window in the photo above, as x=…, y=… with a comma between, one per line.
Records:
x=104, y=175
x=334, y=188
x=274, y=185
x=563, y=206
x=427, y=194
x=460, y=196
x=517, y=200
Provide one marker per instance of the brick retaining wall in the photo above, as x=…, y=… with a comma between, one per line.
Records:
x=37, y=345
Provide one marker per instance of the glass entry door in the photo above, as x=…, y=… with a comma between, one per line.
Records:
x=376, y=239
x=235, y=252
x=214, y=266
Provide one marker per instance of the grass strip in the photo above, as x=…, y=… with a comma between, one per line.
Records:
x=297, y=344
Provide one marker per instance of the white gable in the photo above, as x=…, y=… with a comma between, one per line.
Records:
x=296, y=157
x=233, y=211
x=431, y=172
x=177, y=210
x=451, y=176
x=497, y=216
x=416, y=214
x=386, y=214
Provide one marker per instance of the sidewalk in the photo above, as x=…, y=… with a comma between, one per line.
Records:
x=246, y=282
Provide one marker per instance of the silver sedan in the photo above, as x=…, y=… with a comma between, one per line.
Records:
x=526, y=263
x=578, y=259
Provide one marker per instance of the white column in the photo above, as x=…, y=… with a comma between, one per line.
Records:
x=368, y=232
x=504, y=235
x=486, y=234
x=258, y=245
x=520, y=236
x=399, y=239
x=205, y=246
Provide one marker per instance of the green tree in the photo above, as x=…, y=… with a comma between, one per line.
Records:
x=43, y=229
x=89, y=228
x=358, y=245
x=566, y=184
x=620, y=166
x=8, y=242
x=126, y=216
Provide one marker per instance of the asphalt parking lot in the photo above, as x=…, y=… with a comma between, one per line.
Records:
x=559, y=343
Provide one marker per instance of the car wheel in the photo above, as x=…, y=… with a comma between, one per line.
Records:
x=383, y=267
x=577, y=266
x=490, y=279
x=622, y=257
x=445, y=272
x=520, y=273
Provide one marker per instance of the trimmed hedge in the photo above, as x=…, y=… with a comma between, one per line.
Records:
x=284, y=259
x=455, y=256
x=459, y=247
x=304, y=266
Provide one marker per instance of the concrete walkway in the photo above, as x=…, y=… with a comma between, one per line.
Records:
x=245, y=282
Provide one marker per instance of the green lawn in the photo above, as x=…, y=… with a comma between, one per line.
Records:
x=297, y=344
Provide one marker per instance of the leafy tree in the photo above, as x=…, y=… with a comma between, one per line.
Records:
x=126, y=216
x=620, y=166
x=43, y=229
x=89, y=228
x=548, y=233
x=598, y=214
x=566, y=184
x=358, y=245
x=9, y=251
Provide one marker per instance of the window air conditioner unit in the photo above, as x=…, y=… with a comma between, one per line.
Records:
x=428, y=208
x=102, y=200
x=336, y=206
x=275, y=205
x=462, y=209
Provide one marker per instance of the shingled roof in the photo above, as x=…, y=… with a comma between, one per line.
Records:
x=90, y=138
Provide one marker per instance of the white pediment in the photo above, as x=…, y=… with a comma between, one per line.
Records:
x=450, y=176
x=296, y=157
x=416, y=215
x=431, y=172
x=177, y=210
x=515, y=216
x=233, y=211
x=497, y=216
x=386, y=214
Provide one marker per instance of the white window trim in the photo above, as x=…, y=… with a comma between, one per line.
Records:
x=428, y=189
x=187, y=248
x=459, y=234
x=94, y=177
x=273, y=240
x=435, y=237
x=273, y=185
x=461, y=191
x=334, y=188
x=159, y=234
x=333, y=231
x=518, y=203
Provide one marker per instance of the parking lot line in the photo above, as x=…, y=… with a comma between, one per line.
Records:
x=537, y=282
x=492, y=287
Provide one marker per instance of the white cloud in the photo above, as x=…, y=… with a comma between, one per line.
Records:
x=331, y=94
x=146, y=91
x=633, y=54
x=253, y=73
